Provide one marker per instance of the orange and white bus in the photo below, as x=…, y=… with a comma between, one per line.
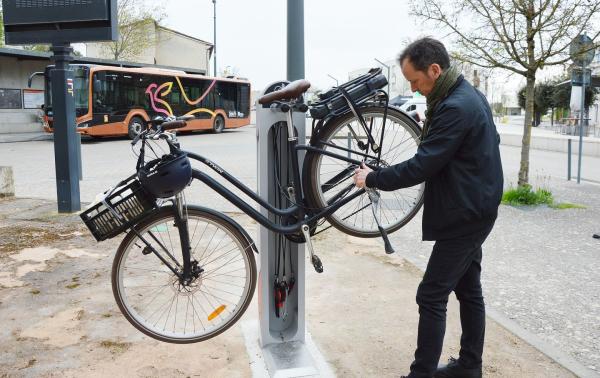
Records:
x=111, y=101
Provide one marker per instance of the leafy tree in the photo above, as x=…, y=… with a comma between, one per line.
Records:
x=1, y=27
x=521, y=36
x=498, y=108
x=561, y=96
x=136, y=29
x=543, y=100
x=40, y=48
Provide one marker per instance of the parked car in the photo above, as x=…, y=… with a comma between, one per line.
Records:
x=415, y=105
x=399, y=100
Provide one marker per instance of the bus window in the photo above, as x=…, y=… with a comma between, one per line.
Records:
x=80, y=90
x=195, y=89
x=226, y=98
x=243, y=96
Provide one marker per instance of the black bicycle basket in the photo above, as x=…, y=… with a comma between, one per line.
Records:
x=122, y=209
x=360, y=89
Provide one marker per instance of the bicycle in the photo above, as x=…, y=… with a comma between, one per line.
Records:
x=185, y=273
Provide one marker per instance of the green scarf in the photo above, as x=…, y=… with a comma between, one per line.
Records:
x=439, y=92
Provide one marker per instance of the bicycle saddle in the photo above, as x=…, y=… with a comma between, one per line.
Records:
x=291, y=91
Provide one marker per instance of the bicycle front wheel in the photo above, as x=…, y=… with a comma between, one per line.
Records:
x=154, y=299
x=330, y=178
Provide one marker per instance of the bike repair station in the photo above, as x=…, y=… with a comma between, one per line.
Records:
x=282, y=338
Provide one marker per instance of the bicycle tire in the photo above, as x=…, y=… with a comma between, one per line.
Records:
x=345, y=218
x=222, y=234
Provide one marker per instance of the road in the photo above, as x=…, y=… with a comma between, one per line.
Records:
x=105, y=162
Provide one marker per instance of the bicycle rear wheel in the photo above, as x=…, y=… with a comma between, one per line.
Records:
x=329, y=179
x=153, y=299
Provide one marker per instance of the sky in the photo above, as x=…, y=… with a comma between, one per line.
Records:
x=340, y=36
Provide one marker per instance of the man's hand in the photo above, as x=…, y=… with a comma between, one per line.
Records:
x=360, y=176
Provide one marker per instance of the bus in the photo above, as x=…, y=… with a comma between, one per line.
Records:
x=114, y=101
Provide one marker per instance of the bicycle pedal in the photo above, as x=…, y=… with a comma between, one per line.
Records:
x=314, y=259
x=317, y=264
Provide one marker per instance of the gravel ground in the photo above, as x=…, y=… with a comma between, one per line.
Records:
x=59, y=318
x=540, y=268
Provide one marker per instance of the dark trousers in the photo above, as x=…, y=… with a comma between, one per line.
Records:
x=454, y=265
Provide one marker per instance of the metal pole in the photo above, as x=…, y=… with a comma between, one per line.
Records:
x=337, y=83
x=388, y=74
x=215, y=36
x=65, y=135
x=581, y=121
x=569, y=148
x=295, y=40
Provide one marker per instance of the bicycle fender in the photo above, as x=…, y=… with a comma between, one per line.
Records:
x=229, y=220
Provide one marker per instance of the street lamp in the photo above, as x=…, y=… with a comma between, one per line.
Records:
x=388, y=73
x=336, y=80
x=215, y=36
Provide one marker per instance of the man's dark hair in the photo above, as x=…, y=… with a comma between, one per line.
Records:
x=424, y=52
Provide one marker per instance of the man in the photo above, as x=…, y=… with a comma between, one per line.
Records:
x=459, y=161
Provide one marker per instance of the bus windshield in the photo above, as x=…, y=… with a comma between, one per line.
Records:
x=80, y=87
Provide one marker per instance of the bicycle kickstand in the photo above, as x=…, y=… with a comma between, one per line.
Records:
x=314, y=259
x=374, y=197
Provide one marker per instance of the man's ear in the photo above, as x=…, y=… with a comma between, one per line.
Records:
x=435, y=70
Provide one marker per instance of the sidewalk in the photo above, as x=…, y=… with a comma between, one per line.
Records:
x=24, y=137
x=59, y=314
x=544, y=138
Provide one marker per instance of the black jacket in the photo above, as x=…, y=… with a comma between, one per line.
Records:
x=459, y=160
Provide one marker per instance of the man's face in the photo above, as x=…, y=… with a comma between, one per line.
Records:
x=421, y=81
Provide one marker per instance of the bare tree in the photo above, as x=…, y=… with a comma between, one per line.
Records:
x=136, y=29
x=521, y=36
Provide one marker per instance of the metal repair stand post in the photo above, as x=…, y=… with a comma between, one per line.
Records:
x=282, y=340
x=67, y=147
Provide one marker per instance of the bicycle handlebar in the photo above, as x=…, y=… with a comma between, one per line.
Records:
x=173, y=125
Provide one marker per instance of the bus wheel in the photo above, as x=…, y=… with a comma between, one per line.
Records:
x=218, y=124
x=136, y=125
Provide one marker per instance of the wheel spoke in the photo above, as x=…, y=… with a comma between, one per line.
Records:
x=166, y=308
x=331, y=177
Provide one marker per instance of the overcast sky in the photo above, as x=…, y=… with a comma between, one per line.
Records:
x=340, y=36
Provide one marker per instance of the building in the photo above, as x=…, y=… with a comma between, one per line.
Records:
x=594, y=111
x=161, y=46
x=20, y=105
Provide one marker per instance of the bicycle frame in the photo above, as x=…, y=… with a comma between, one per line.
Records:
x=298, y=212
x=255, y=214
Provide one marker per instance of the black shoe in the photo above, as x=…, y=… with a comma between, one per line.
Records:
x=455, y=370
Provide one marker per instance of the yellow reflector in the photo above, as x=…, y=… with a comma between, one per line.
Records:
x=216, y=312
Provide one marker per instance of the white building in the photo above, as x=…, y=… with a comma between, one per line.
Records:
x=595, y=108
x=165, y=47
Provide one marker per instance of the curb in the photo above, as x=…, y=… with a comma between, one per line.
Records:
x=557, y=355
x=24, y=137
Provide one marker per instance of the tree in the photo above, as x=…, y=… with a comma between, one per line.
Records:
x=136, y=29
x=561, y=96
x=40, y=48
x=521, y=36
x=1, y=27
x=542, y=101
x=498, y=108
